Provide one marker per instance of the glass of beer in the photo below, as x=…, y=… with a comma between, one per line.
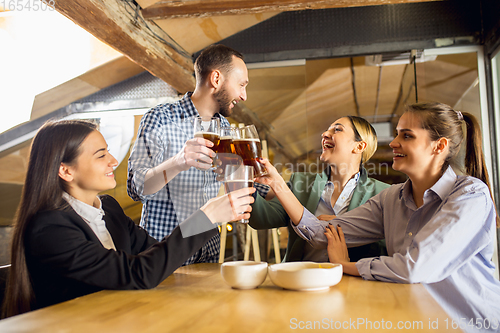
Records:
x=226, y=153
x=237, y=177
x=208, y=128
x=248, y=147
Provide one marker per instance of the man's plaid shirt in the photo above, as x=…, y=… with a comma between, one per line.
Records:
x=162, y=133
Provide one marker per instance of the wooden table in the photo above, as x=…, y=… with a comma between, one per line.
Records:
x=196, y=299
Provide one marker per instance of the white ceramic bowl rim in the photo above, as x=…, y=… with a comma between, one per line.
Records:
x=303, y=265
x=305, y=275
x=244, y=263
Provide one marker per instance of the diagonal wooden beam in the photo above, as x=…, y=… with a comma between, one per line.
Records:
x=163, y=9
x=118, y=24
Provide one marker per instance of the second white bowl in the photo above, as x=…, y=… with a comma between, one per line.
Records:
x=305, y=275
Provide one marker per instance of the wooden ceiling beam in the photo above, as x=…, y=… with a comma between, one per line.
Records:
x=146, y=3
x=121, y=26
x=165, y=9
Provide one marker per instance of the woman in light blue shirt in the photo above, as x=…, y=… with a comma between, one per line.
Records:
x=439, y=227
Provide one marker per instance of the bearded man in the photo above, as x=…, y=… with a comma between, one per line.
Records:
x=164, y=165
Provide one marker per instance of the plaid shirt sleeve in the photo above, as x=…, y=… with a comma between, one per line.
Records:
x=162, y=133
x=262, y=189
x=148, y=151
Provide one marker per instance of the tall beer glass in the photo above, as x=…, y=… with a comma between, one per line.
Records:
x=248, y=147
x=208, y=128
x=226, y=153
x=237, y=177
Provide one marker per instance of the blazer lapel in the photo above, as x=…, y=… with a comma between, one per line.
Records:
x=77, y=219
x=358, y=194
x=115, y=232
x=317, y=189
x=113, y=229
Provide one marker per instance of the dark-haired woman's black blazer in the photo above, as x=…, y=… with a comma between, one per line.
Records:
x=66, y=259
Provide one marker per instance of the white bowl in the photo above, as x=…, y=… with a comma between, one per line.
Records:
x=244, y=274
x=305, y=275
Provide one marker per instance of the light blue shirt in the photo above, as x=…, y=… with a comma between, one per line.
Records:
x=325, y=208
x=446, y=244
x=343, y=201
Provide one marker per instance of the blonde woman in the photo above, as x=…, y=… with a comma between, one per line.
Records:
x=347, y=144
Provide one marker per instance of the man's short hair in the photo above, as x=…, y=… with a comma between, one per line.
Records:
x=214, y=57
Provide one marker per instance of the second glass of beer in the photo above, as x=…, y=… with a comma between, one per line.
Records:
x=226, y=153
x=208, y=128
x=248, y=147
x=237, y=177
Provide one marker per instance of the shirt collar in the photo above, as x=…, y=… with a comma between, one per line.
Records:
x=326, y=174
x=87, y=212
x=442, y=187
x=405, y=190
x=353, y=179
x=356, y=176
x=189, y=107
x=445, y=184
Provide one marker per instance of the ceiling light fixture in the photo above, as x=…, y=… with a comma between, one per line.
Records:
x=272, y=64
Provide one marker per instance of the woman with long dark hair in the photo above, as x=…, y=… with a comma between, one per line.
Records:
x=69, y=242
x=439, y=227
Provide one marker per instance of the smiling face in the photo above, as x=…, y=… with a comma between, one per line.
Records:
x=338, y=144
x=414, y=152
x=93, y=170
x=233, y=90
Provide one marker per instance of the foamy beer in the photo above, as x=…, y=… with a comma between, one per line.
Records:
x=226, y=153
x=248, y=147
x=209, y=129
x=234, y=185
x=226, y=141
x=214, y=137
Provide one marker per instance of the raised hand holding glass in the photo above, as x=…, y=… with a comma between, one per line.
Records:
x=237, y=177
x=209, y=129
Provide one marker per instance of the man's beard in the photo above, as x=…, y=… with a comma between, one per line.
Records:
x=223, y=101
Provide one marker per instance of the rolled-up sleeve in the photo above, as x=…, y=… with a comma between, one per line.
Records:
x=196, y=224
x=311, y=229
x=363, y=266
x=362, y=225
x=149, y=150
x=262, y=189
